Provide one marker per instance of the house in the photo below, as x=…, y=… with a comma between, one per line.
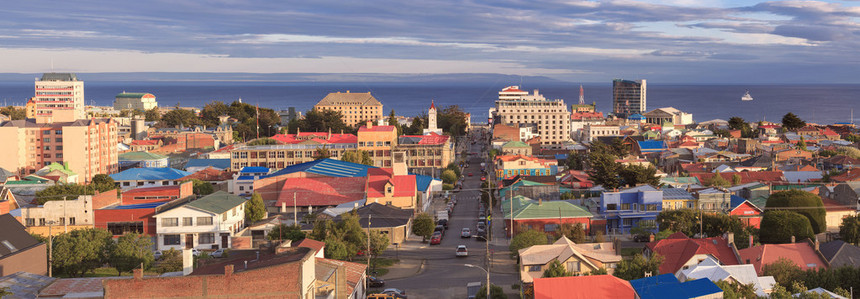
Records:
x=60, y=173
x=822, y=293
x=630, y=208
x=157, y=193
x=195, y=165
x=535, y=259
x=835, y=212
x=509, y=166
x=583, y=287
x=516, y=148
x=677, y=198
x=793, y=154
x=803, y=254
x=544, y=216
x=840, y=162
x=141, y=177
x=393, y=222
x=668, y=286
x=847, y=193
x=328, y=276
x=711, y=269
x=205, y=223
x=121, y=219
x=576, y=179
x=838, y=253
x=715, y=199
x=64, y=215
x=531, y=189
x=142, y=159
x=220, y=179
x=746, y=211
x=145, y=145
x=644, y=148
x=392, y=186
x=317, y=193
x=21, y=251
x=243, y=182
x=681, y=252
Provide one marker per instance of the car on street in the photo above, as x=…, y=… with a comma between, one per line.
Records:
x=483, y=178
x=465, y=233
x=472, y=289
x=443, y=222
x=470, y=174
x=398, y=293
x=436, y=239
x=440, y=229
x=218, y=253
x=462, y=251
x=374, y=282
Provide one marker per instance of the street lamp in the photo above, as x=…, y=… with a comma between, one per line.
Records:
x=488, y=277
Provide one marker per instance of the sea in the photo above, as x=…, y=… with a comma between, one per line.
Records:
x=823, y=104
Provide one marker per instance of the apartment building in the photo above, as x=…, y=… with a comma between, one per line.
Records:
x=88, y=145
x=356, y=107
x=591, y=132
x=378, y=141
x=59, y=97
x=134, y=101
x=425, y=154
x=293, y=149
x=551, y=117
x=628, y=97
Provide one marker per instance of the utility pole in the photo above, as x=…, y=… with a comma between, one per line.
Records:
x=295, y=211
x=50, y=248
x=368, y=253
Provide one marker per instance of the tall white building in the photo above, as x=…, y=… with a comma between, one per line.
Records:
x=431, y=121
x=551, y=117
x=59, y=97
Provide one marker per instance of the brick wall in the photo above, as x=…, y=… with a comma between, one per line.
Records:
x=101, y=200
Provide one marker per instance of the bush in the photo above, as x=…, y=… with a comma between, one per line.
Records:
x=526, y=239
x=449, y=176
x=804, y=203
x=780, y=225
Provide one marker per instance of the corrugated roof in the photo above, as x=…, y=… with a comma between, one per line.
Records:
x=149, y=174
x=254, y=169
x=583, y=287
x=549, y=209
x=678, y=249
x=511, y=144
x=140, y=156
x=216, y=163
x=218, y=202
x=59, y=77
x=132, y=95
x=676, y=194
x=668, y=286
x=327, y=167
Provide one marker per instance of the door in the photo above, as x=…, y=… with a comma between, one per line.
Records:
x=224, y=240
x=189, y=241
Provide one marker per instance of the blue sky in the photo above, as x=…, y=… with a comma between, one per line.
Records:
x=677, y=41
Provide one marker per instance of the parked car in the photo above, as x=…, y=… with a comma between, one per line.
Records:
x=472, y=289
x=218, y=253
x=443, y=222
x=483, y=178
x=465, y=233
x=374, y=282
x=381, y=296
x=195, y=252
x=398, y=293
x=436, y=239
x=470, y=174
x=462, y=251
x=440, y=229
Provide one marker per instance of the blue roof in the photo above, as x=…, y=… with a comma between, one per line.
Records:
x=327, y=167
x=561, y=156
x=217, y=163
x=422, y=182
x=636, y=116
x=245, y=177
x=149, y=205
x=149, y=174
x=667, y=286
x=652, y=145
x=253, y=169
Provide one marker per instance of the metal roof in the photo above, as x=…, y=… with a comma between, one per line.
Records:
x=149, y=174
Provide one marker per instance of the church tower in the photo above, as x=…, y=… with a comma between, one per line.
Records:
x=431, y=119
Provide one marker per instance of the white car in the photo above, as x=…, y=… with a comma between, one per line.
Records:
x=218, y=253
x=462, y=251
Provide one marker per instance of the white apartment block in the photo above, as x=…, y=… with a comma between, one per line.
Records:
x=59, y=92
x=593, y=131
x=551, y=117
x=206, y=223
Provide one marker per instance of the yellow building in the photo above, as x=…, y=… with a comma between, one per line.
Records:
x=579, y=259
x=356, y=107
x=678, y=198
x=378, y=141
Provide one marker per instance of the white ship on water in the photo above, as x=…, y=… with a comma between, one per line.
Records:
x=747, y=96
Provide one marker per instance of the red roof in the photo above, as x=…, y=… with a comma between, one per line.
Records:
x=404, y=185
x=586, y=115
x=828, y=132
x=314, y=245
x=209, y=174
x=848, y=176
x=432, y=105
x=321, y=191
x=511, y=89
x=586, y=287
x=431, y=138
x=322, y=137
x=694, y=167
x=834, y=206
x=227, y=149
x=678, y=249
x=144, y=142
x=802, y=254
x=377, y=129
x=746, y=176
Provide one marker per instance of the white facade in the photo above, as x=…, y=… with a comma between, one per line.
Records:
x=593, y=131
x=577, y=127
x=551, y=117
x=59, y=91
x=432, y=127
x=135, y=101
x=127, y=185
x=203, y=229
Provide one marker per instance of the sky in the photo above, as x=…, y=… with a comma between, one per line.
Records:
x=680, y=41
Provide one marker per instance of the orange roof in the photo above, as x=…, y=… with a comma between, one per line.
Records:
x=321, y=191
x=314, y=245
x=323, y=138
x=848, y=176
x=404, y=185
x=586, y=115
x=227, y=149
x=573, y=287
x=144, y=142
x=431, y=138
x=834, y=206
x=802, y=254
x=511, y=89
x=678, y=249
x=209, y=174
x=746, y=176
x=377, y=129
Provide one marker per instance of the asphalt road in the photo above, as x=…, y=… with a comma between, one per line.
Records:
x=444, y=274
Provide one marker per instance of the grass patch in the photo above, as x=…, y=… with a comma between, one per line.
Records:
x=108, y=272
x=379, y=265
x=630, y=251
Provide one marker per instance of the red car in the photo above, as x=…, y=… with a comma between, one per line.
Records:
x=483, y=178
x=436, y=239
x=470, y=174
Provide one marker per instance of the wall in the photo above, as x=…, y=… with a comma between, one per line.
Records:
x=12, y=157
x=147, y=216
x=539, y=224
x=32, y=260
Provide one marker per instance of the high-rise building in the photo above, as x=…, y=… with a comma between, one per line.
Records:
x=356, y=107
x=551, y=117
x=628, y=97
x=59, y=97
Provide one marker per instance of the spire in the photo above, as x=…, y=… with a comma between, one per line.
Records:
x=581, y=95
x=432, y=105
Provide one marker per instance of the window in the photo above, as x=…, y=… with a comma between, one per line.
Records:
x=121, y=228
x=573, y=266
x=625, y=206
x=171, y=239
x=207, y=238
x=234, y=211
x=651, y=207
x=170, y=222
x=204, y=221
x=62, y=221
x=71, y=220
x=628, y=222
x=187, y=221
x=41, y=221
x=31, y=222
x=534, y=268
x=550, y=227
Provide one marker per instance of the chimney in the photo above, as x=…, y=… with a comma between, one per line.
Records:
x=228, y=271
x=283, y=207
x=138, y=273
x=792, y=239
x=369, y=125
x=651, y=238
x=816, y=244
x=616, y=244
x=329, y=133
x=730, y=238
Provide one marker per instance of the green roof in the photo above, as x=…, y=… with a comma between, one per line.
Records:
x=140, y=156
x=60, y=167
x=515, y=144
x=680, y=180
x=759, y=202
x=218, y=202
x=525, y=208
x=132, y=95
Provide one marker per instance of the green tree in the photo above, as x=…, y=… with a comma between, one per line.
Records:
x=392, y=121
x=180, y=117
x=423, y=226
x=5, y=292
x=849, y=229
x=496, y=292
x=13, y=112
x=130, y=252
x=200, y=187
x=556, y=269
x=735, y=290
x=784, y=271
x=453, y=167
x=778, y=226
x=316, y=120
x=717, y=181
x=262, y=141
x=801, y=144
x=343, y=238
x=682, y=220
x=61, y=192
x=791, y=122
x=604, y=170
x=526, y=239
x=357, y=156
x=736, y=179
x=637, y=267
x=449, y=177
x=170, y=261
x=575, y=160
x=452, y=120
x=255, y=210
x=848, y=151
x=599, y=271
x=807, y=204
x=81, y=250
x=322, y=153
x=493, y=153
x=737, y=123
x=286, y=232
x=417, y=126
x=634, y=175
x=153, y=114
x=574, y=232
x=378, y=243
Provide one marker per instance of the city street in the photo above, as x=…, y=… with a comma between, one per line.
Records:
x=444, y=275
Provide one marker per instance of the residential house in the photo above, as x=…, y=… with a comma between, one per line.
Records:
x=142, y=177
x=745, y=274
x=583, y=287
x=220, y=179
x=195, y=165
x=848, y=176
x=576, y=179
x=139, y=218
x=59, y=216
x=792, y=154
x=392, y=186
x=394, y=223
x=516, y=148
x=630, y=208
x=328, y=279
x=804, y=254
x=680, y=252
x=544, y=216
x=145, y=145
x=668, y=114
x=243, y=181
x=157, y=193
x=531, y=189
x=205, y=223
x=535, y=259
x=59, y=172
x=838, y=253
x=142, y=159
x=21, y=251
x=847, y=194
x=840, y=162
x=716, y=200
x=509, y=166
x=591, y=132
x=835, y=212
x=746, y=211
x=648, y=147
x=677, y=198
x=661, y=286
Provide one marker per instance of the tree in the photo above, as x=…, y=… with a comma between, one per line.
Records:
x=452, y=120
x=13, y=112
x=735, y=290
x=784, y=271
x=496, y=292
x=378, y=243
x=286, y=232
x=61, y=192
x=717, y=181
x=604, y=170
x=449, y=177
x=262, y=141
x=423, y=226
x=180, y=117
x=81, y=250
x=801, y=202
x=322, y=121
x=5, y=292
x=575, y=160
x=574, y=232
x=737, y=123
x=736, y=179
x=357, y=156
x=131, y=251
x=634, y=175
x=801, y=144
x=682, y=220
x=453, y=167
x=417, y=125
x=526, y=239
x=322, y=153
x=849, y=229
x=392, y=121
x=103, y=182
x=556, y=269
x=778, y=226
x=170, y=261
x=791, y=122
x=637, y=267
x=255, y=210
x=153, y=114
x=200, y=187
x=343, y=239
